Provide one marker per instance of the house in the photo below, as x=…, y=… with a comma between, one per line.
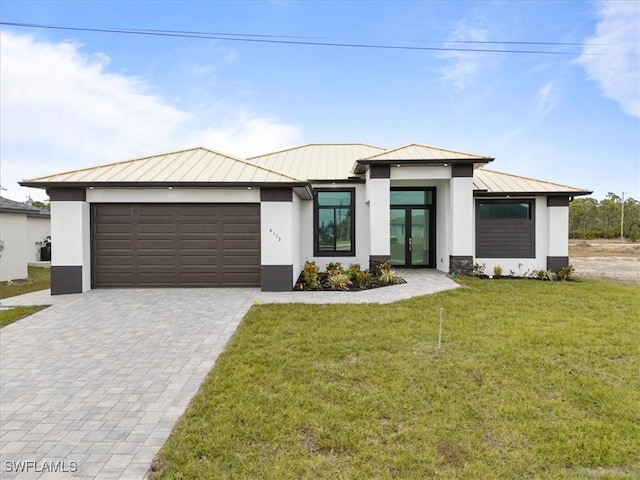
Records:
x=201, y=218
x=22, y=228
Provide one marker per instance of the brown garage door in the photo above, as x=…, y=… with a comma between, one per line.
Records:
x=175, y=245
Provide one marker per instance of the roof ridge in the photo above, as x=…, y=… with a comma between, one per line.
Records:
x=130, y=160
x=149, y=157
x=247, y=162
x=531, y=178
x=313, y=144
x=414, y=144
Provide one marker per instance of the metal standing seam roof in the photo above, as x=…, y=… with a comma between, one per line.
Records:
x=504, y=183
x=296, y=166
x=195, y=165
x=317, y=161
x=416, y=151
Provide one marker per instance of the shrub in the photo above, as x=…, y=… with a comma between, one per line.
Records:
x=479, y=269
x=310, y=276
x=334, y=268
x=390, y=277
x=497, y=271
x=339, y=281
x=547, y=275
x=566, y=273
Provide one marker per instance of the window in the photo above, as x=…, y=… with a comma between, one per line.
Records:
x=411, y=197
x=504, y=210
x=334, y=222
x=505, y=229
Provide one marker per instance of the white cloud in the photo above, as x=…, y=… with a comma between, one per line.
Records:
x=62, y=109
x=547, y=98
x=463, y=67
x=614, y=63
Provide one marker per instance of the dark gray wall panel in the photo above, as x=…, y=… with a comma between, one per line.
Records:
x=277, y=278
x=66, y=279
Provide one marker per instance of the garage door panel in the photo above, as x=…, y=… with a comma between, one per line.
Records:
x=198, y=260
x=114, y=228
x=114, y=260
x=189, y=244
x=243, y=260
x=241, y=244
x=155, y=228
x=200, y=228
x=114, y=244
x=169, y=245
x=155, y=243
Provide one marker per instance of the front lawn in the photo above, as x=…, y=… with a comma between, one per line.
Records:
x=534, y=380
x=39, y=279
x=11, y=315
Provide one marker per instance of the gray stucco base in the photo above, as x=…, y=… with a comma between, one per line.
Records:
x=66, y=279
x=276, y=278
x=375, y=260
x=461, y=264
x=556, y=263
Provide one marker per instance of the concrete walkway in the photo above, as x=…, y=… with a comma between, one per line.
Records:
x=92, y=386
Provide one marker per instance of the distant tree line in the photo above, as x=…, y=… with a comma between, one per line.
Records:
x=590, y=218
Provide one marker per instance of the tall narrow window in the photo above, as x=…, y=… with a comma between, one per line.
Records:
x=334, y=223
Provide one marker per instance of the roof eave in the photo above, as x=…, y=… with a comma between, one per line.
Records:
x=163, y=184
x=361, y=166
x=487, y=194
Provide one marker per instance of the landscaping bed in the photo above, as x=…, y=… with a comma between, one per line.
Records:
x=352, y=278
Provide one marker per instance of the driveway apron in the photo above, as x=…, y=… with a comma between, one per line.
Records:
x=92, y=386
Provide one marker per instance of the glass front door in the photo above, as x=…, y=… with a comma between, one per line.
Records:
x=412, y=228
x=410, y=236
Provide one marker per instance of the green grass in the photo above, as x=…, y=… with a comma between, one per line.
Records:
x=13, y=314
x=534, y=380
x=39, y=279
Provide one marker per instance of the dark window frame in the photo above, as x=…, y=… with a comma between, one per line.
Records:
x=316, y=215
x=497, y=224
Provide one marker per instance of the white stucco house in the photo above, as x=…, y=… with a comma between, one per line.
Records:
x=22, y=227
x=202, y=218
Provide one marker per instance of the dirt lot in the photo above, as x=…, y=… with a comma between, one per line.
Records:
x=606, y=259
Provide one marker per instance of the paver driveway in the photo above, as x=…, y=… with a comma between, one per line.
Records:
x=94, y=384
x=99, y=381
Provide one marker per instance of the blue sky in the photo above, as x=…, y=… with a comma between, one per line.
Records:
x=71, y=99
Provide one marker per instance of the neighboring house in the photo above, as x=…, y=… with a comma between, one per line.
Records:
x=202, y=218
x=21, y=227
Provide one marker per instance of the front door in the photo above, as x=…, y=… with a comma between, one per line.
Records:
x=412, y=228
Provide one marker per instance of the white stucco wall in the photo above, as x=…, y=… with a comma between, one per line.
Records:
x=276, y=233
x=175, y=195
x=443, y=225
x=558, y=231
x=70, y=237
x=296, y=237
x=38, y=228
x=461, y=215
x=422, y=173
x=13, y=258
x=378, y=198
